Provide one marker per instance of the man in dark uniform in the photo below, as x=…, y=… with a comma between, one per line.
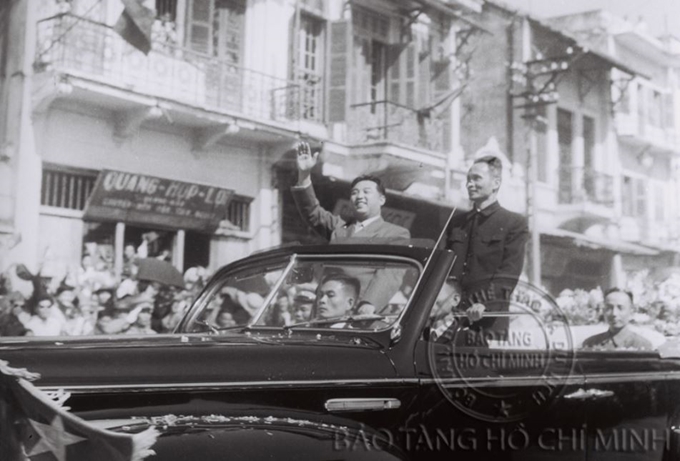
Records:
x=489, y=242
x=618, y=311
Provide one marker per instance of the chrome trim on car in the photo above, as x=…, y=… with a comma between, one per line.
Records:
x=362, y=404
x=505, y=381
x=221, y=385
x=628, y=377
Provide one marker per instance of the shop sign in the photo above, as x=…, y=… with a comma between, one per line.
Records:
x=401, y=218
x=142, y=199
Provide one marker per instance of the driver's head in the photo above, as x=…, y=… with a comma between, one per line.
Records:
x=336, y=296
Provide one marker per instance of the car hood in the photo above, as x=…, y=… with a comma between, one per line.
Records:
x=167, y=361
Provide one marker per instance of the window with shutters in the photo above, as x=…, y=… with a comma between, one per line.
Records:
x=565, y=139
x=217, y=28
x=655, y=110
x=229, y=30
x=166, y=10
x=199, y=30
x=370, y=24
x=669, y=111
x=65, y=187
x=659, y=202
x=634, y=197
x=309, y=65
x=402, y=74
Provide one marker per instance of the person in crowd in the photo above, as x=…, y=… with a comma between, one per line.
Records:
x=180, y=305
x=242, y=305
x=104, y=298
x=67, y=302
x=11, y=309
x=303, y=305
x=490, y=242
x=367, y=197
x=618, y=312
x=118, y=320
x=129, y=261
x=225, y=319
x=336, y=296
x=163, y=303
x=82, y=320
x=279, y=314
x=140, y=319
x=44, y=321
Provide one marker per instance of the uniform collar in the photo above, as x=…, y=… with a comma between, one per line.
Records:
x=488, y=211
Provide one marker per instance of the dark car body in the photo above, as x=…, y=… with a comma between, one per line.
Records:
x=390, y=391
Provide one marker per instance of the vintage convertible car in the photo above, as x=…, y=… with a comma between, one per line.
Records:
x=276, y=360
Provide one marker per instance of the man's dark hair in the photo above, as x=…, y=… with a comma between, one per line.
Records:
x=495, y=165
x=345, y=280
x=620, y=290
x=368, y=177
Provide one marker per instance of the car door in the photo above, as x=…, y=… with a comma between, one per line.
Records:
x=512, y=397
x=627, y=404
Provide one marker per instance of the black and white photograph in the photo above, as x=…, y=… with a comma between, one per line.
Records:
x=393, y=230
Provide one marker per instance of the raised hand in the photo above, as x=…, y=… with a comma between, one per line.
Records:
x=306, y=160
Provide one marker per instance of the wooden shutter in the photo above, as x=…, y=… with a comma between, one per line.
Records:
x=362, y=57
x=424, y=72
x=339, y=71
x=402, y=74
x=394, y=73
x=199, y=37
x=669, y=111
x=441, y=86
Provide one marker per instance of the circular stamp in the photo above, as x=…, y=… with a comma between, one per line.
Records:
x=510, y=364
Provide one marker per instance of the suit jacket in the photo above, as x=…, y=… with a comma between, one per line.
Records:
x=377, y=286
x=496, y=256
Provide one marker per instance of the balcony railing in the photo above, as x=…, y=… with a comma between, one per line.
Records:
x=634, y=126
x=585, y=185
x=79, y=46
x=391, y=122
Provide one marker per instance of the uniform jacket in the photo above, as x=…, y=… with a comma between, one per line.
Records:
x=377, y=286
x=495, y=262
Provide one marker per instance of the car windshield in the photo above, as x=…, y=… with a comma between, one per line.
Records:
x=367, y=292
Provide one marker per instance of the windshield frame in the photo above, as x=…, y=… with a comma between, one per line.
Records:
x=293, y=258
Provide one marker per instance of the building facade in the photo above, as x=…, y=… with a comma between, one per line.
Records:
x=214, y=108
x=600, y=175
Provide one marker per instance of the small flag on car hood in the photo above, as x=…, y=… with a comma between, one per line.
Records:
x=135, y=24
x=35, y=427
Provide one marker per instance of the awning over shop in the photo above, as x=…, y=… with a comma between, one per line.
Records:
x=608, y=60
x=593, y=243
x=159, y=202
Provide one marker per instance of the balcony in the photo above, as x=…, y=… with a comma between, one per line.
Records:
x=90, y=50
x=637, y=131
x=586, y=192
x=385, y=121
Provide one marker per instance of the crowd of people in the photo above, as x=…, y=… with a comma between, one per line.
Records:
x=92, y=300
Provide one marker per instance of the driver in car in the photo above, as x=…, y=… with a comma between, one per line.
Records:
x=336, y=296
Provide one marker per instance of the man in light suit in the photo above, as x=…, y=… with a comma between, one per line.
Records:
x=367, y=197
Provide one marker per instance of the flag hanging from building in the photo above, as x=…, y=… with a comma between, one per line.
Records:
x=34, y=427
x=135, y=24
